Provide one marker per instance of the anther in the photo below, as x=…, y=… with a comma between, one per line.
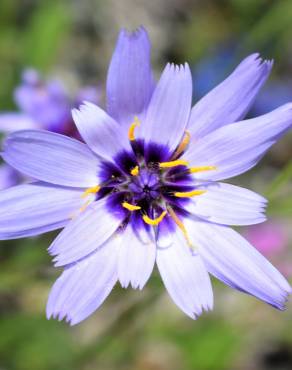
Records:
x=189, y=194
x=130, y=207
x=135, y=171
x=131, y=132
x=178, y=162
x=183, y=144
x=202, y=168
x=93, y=190
x=154, y=221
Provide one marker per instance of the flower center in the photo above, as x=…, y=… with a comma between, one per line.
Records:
x=149, y=185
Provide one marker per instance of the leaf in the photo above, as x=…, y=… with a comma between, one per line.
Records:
x=47, y=29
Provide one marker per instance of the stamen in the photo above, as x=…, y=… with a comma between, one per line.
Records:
x=183, y=144
x=201, y=169
x=178, y=162
x=189, y=194
x=155, y=221
x=131, y=132
x=135, y=171
x=180, y=225
x=130, y=207
x=93, y=190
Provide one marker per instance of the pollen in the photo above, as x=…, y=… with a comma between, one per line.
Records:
x=154, y=221
x=178, y=162
x=183, y=144
x=93, y=190
x=202, y=168
x=180, y=224
x=131, y=132
x=130, y=207
x=135, y=171
x=189, y=194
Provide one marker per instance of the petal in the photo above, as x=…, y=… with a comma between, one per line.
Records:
x=185, y=278
x=228, y=204
x=135, y=260
x=52, y=158
x=10, y=122
x=32, y=209
x=169, y=108
x=230, y=258
x=84, y=286
x=101, y=132
x=231, y=100
x=85, y=233
x=237, y=147
x=129, y=81
x=8, y=177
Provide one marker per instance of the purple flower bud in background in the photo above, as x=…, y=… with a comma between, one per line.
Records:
x=44, y=105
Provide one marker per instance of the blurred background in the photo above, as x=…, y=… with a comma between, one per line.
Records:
x=70, y=43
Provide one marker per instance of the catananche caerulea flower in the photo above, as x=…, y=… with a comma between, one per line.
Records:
x=146, y=187
x=42, y=105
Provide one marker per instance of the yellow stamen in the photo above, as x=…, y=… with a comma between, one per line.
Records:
x=189, y=194
x=183, y=144
x=130, y=207
x=93, y=190
x=178, y=162
x=131, y=132
x=201, y=169
x=155, y=221
x=135, y=171
x=180, y=225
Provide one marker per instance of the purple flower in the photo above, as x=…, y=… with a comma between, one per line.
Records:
x=42, y=105
x=146, y=187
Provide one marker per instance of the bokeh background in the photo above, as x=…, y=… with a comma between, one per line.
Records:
x=73, y=41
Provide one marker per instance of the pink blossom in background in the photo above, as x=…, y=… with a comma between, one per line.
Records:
x=269, y=238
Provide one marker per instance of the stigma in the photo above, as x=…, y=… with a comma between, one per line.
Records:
x=181, y=226
x=154, y=221
x=130, y=207
x=183, y=144
x=135, y=171
x=93, y=190
x=178, y=162
x=189, y=194
x=132, y=128
x=201, y=169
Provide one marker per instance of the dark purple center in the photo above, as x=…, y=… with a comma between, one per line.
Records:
x=152, y=188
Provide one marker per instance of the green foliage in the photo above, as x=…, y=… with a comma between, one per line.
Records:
x=45, y=34
x=32, y=343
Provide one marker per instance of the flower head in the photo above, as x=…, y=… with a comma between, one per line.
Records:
x=146, y=187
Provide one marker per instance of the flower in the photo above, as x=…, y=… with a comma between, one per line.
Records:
x=42, y=105
x=146, y=187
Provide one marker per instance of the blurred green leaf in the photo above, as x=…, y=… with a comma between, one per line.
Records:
x=47, y=29
x=203, y=343
x=33, y=343
x=280, y=181
x=275, y=22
